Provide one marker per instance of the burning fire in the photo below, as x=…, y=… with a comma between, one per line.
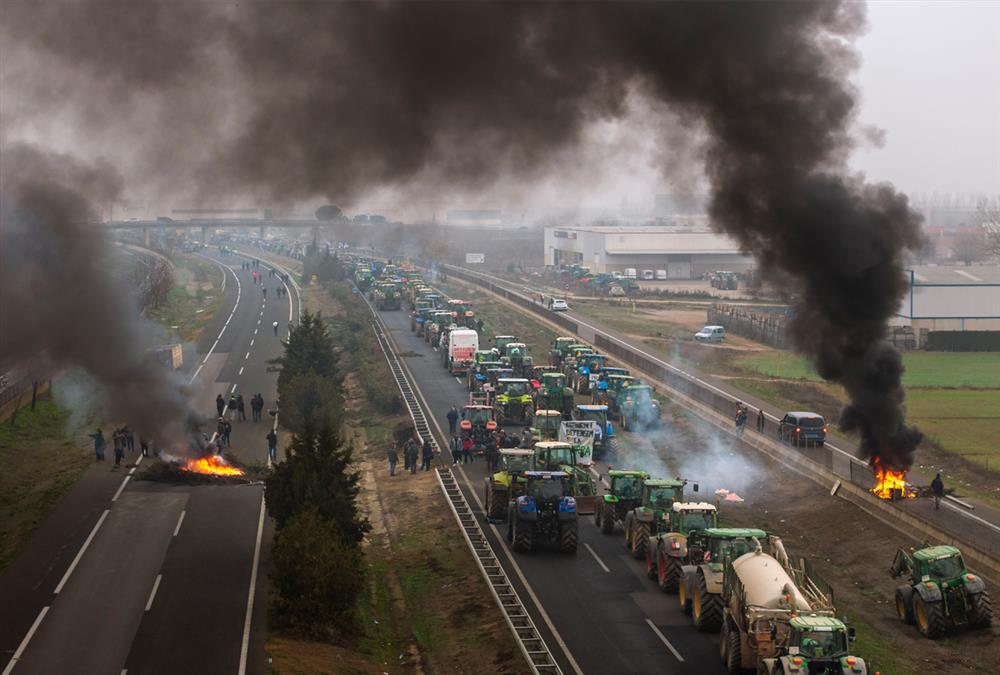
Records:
x=214, y=465
x=890, y=484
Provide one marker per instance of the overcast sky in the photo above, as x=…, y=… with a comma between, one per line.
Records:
x=931, y=80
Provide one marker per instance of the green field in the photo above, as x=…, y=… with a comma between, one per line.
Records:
x=923, y=369
x=193, y=300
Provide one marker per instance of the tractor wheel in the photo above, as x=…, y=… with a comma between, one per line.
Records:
x=624, y=422
x=734, y=656
x=706, y=608
x=980, y=610
x=652, y=566
x=929, y=616
x=597, y=513
x=670, y=573
x=495, y=502
x=904, y=604
x=568, y=536
x=629, y=518
x=523, y=534
x=607, y=520
x=640, y=539
x=685, y=590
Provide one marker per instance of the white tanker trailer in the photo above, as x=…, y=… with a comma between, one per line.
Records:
x=777, y=621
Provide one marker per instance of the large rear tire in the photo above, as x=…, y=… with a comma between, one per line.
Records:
x=597, y=513
x=733, y=655
x=930, y=617
x=496, y=503
x=706, y=608
x=523, y=535
x=685, y=591
x=980, y=610
x=904, y=604
x=607, y=518
x=640, y=539
x=568, y=536
x=670, y=572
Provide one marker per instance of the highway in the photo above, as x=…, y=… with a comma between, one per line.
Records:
x=596, y=610
x=146, y=577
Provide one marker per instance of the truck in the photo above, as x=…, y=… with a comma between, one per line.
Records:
x=700, y=588
x=940, y=592
x=667, y=551
x=462, y=344
x=545, y=513
x=506, y=483
x=777, y=620
x=622, y=497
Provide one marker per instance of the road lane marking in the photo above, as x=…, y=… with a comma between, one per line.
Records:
x=196, y=373
x=245, y=646
x=79, y=554
x=241, y=371
x=973, y=516
x=239, y=294
x=599, y=561
x=247, y=356
x=122, y=487
x=458, y=380
x=24, y=643
x=233, y=389
x=180, y=520
x=256, y=329
x=258, y=322
x=152, y=593
x=251, y=342
x=664, y=640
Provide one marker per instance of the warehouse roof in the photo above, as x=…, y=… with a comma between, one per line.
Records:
x=660, y=240
x=951, y=275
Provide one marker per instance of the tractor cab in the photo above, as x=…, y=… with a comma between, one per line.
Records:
x=660, y=494
x=638, y=408
x=821, y=641
x=513, y=401
x=545, y=426
x=625, y=485
x=500, y=342
x=559, y=348
x=477, y=423
x=688, y=517
x=604, y=432
x=553, y=394
x=538, y=372
x=715, y=545
x=550, y=455
x=480, y=373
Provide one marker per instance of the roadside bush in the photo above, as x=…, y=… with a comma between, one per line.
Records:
x=317, y=575
x=311, y=401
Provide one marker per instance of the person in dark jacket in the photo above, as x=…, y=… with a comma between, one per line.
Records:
x=456, y=449
x=760, y=420
x=937, y=487
x=272, y=446
x=426, y=455
x=452, y=420
x=241, y=407
x=220, y=404
x=99, y=445
x=393, y=458
x=412, y=453
x=467, y=450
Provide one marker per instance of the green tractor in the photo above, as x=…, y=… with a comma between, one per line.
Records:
x=476, y=375
x=545, y=425
x=562, y=456
x=639, y=410
x=387, y=296
x=545, y=512
x=604, y=433
x=940, y=592
x=560, y=346
x=570, y=359
x=553, y=394
x=700, y=589
x=642, y=522
x=438, y=322
x=507, y=482
x=512, y=401
x=622, y=498
x=515, y=355
x=667, y=551
x=500, y=343
x=599, y=389
x=588, y=370
x=609, y=389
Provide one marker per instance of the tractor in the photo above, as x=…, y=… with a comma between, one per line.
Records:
x=553, y=394
x=940, y=592
x=437, y=323
x=559, y=348
x=477, y=373
x=700, y=589
x=478, y=424
x=638, y=408
x=622, y=497
x=562, y=456
x=642, y=522
x=506, y=483
x=608, y=390
x=588, y=370
x=512, y=401
x=387, y=296
x=546, y=512
x=667, y=551
x=604, y=434
x=417, y=316
x=515, y=355
x=545, y=425
x=599, y=388
x=500, y=343
x=570, y=358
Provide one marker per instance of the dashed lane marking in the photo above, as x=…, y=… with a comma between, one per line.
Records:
x=79, y=554
x=664, y=640
x=599, y=561
x=180, y=520
x=152, y=593
x=24, y=643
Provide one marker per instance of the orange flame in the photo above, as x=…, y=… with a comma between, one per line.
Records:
x=214, y=465
x=886, y=481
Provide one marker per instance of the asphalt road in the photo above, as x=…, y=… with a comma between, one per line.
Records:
x=154, y=578
x=610, y=617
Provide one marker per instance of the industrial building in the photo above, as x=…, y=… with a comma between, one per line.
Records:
x=683, y=252
x=951, y=298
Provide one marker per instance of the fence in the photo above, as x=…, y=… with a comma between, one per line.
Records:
x=768, y=327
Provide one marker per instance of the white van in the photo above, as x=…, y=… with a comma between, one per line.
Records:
x=462, y=346
x=661, y=275
x=647, y=275
x=630, y=273
x=616, y=275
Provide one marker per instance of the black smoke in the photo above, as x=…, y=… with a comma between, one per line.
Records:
x=328, y=99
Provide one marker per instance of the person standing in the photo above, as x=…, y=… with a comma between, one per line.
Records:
x=119, y=442
x=260, y=407
x=272, y=446
x=220, y=404
x=227, y=427
x=393, y=458
x=144, y=446
x=411, y=455
x=232, y=407
x=937, y=487
x=99, y=445
x=760, y=420
x=129, y=438
x=467, y=450
x=426, y=455
x=241, y=408
x=452, y=420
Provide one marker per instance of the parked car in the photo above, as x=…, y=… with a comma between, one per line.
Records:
x=802, y=428
x=558, y=305
x=711, y=334
x=661, y=275
x=647, y=275
x=630, y=273
x=616, y=275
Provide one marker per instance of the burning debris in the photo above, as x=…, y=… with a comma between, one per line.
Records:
x=891, y=484
x=212, y=465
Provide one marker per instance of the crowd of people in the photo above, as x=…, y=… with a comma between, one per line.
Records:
x=122, y=442
x=413, y=454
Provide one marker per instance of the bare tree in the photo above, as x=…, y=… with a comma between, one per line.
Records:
x=989, y=217
x=970, y=247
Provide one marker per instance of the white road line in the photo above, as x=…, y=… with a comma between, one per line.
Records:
x=24, y=643
x=458, y=380
x=251, y=342
x=121, y=488
x=971, y=515
x=241, y=371
x=599, y=561
x=247, y=356
x=258, y=322
x=180, y=519
x=245, y=646
x=233, y=389
x=256, y=329
x=79, y=554
x=196, y=373
x=152, y=593
x=664, y=640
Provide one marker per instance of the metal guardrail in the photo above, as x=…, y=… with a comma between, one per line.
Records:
x=532, y=646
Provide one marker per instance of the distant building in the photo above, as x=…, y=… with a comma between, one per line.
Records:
x=951, y=298
x=684, y=253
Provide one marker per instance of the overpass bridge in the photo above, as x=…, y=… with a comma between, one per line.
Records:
x=206, y=224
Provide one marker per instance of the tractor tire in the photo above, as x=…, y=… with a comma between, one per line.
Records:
x=597, y=513
x=628, y=529
x=640, y=539
x=496, y=504
x=904, y=604
x=523, y=535
x=652, y=568
x=929, y=616
x=706, y=608
x=734, y=655
x=670, y=573
x=980, y=610
x=568, y=536
x=607, y=520
x=685, y=591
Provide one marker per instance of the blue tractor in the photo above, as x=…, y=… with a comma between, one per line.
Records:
x=544, y=513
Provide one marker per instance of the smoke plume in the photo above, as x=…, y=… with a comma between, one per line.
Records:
x=335, y=99
x=59, y=300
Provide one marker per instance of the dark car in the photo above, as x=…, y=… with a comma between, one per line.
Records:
x=802, y=428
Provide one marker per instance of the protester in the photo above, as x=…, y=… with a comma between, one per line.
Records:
x=452, y=420
x=937, y=487
x=119, y=442
x=426, y=455
x=144, y=446
x=393, y=459
x=760, y=420
x=241, y=408
x=411, y=455
x=456, y=449
x=467, y=450
x=99, y=444
x=272, y=446
x=220, y=404
x=227, y=429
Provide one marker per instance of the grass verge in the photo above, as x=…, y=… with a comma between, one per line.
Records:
x=193, y=300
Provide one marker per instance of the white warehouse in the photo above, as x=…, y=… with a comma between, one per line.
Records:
x=685, y=253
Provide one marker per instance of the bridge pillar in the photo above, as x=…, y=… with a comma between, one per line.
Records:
x=204, y=234
x=262, y=232
x=145, y=237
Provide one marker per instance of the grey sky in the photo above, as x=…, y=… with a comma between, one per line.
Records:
x=931, y=80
